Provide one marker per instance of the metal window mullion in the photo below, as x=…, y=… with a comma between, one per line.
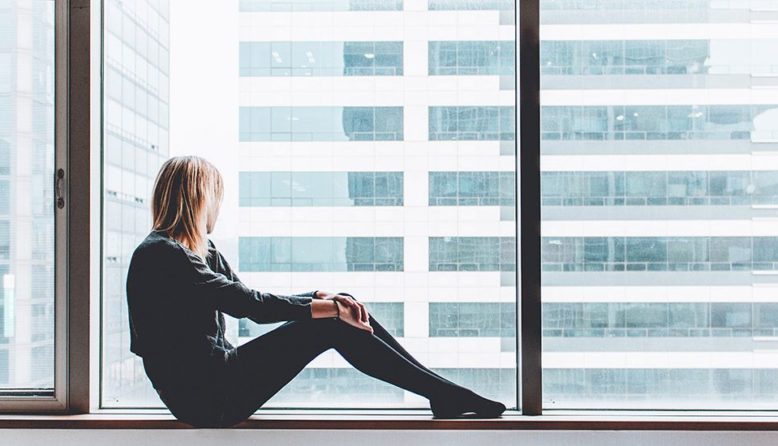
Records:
x=528, y=158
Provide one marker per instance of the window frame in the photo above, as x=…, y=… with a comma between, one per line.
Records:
x=78, y=148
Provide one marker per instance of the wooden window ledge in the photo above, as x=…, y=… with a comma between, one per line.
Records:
x=403, y=421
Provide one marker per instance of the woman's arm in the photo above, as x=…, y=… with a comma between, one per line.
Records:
x=224, y=267
x=232, y=297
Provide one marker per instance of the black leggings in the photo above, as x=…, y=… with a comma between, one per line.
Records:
x=268, y=362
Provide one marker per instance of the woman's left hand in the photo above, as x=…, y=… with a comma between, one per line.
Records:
x=357, y=307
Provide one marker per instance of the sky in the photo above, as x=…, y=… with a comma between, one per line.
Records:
x=204, y=88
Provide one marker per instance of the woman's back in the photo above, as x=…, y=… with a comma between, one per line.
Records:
x=169, y=318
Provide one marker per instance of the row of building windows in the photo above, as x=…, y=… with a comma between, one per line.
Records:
x=656, y=122
x=499, y=253
x=659, y=385
x=635, y=10
x=443, y=5
x=579, y=319
x=373, y=58
x=477, y=57
x=472, y=58
x=659, y=253
x=472, y=254
x=320, y=253
x=472, y=189
x=497, y=123
x=472, y=319
x=321, y=188
x=599, y=57
x=632, y=188
x=321, y=58
x=659, y=188
x=368, y=5
x=657, y=319
x=388, y=314
x=323, y=386
x=321, y=123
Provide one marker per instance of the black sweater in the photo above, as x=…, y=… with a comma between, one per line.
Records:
x=176, y=301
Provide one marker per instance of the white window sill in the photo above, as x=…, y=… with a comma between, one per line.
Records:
x=412, y=420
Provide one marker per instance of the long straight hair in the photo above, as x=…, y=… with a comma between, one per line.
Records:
x=183, y=189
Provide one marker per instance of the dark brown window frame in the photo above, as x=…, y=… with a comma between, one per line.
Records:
x=81, y=405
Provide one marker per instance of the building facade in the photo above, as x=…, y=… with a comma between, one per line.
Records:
x=377, y=148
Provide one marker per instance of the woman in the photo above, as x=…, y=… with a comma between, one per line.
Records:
x=179, y=286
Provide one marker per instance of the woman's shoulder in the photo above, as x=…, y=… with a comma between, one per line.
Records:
x=157, y=246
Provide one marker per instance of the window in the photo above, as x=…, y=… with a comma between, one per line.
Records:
x=27, y=213
x=655, y=263
x=471, y=57
x=319, y=5
x=478, y=123
x=321, y=254
x=321, y=123
x=321, y=188
x=346, y=143
x=321, y=58
x=472, y=188
x=369, y=154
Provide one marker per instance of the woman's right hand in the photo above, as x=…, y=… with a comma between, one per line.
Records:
x=350, y=316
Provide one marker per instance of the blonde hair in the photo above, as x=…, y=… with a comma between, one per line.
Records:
x=182, y=190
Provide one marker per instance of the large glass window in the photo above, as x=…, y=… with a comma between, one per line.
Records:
x=657, y=254
x=135, y=144
x=350, y=165
x=27, y=160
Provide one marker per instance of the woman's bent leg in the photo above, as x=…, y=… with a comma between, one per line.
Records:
x=387, y=337
x=267, y=363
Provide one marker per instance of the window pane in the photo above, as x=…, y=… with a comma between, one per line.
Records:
x=26, y=198
x=350, y=165
x=135, y=143
x=656, y=264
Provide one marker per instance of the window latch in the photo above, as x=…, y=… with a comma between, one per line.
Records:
x=59, y=188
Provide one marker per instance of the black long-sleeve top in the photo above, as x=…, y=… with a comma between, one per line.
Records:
x=176, y=301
